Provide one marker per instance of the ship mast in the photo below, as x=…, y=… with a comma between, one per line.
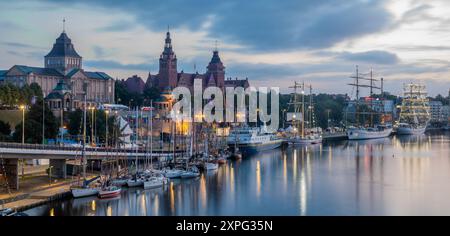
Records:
x=296, y=105
x=303, y=109
x=359, y=85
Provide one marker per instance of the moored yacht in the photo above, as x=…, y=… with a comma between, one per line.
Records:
x=355, y=133
x=251, y=140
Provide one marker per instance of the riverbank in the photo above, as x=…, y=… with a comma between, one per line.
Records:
x=36, y=191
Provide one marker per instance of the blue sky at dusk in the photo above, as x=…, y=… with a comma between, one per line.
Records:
x=271, y=42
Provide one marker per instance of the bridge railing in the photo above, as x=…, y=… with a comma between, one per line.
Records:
x=79, y=149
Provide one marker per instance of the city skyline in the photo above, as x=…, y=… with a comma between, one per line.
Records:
x=321, y=46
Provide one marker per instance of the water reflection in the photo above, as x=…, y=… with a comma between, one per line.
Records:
x=404, y=175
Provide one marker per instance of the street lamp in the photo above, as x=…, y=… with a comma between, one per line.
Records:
x=92, y=108
x=106, y=117
x=328, y=118
x=22, y=107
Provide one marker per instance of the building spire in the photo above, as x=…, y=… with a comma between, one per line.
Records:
x=64, y=25
x=215, y=46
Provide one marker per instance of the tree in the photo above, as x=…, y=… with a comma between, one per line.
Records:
x=12, y=96
x=75, y=122
x=5, y=131
x=33, y=125
x=122, y=94
x=149, y=94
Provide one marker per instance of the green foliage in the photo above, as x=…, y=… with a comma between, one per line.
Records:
x=11, y=96
x=33, y=125
x=5, y=128
x=5, y=131
x=124, y=97
x=324, y=104
x=97, y=128
x=75, y=122
x=150, y=94
x=121, y=92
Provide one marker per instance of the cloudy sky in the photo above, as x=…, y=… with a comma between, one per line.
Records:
x=271, y=42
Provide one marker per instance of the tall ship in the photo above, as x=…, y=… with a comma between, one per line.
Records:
x=303, y=130
x=250, y=140
x=368, y=109
x=414, y=111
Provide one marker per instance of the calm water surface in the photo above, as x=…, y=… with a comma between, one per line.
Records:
x=407, y=175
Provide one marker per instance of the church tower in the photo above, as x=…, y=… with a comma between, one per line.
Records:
x=63, y=56
x=168, y=65
x=216, y=70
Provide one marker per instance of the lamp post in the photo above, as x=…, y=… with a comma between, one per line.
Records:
x=22, y=107
x=43, y=121
x=92, y=125
x=106, y=117
x=328, y=118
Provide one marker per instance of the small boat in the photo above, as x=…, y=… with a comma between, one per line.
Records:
x=6, y=212
x=172, y=174
x=191, y=173
x=222, y=161
x=85, y=190
x=78, y=192
x=136, y=182
x=211, y=166
x=11, y=212
x=110, y=192
x=153, y=182
x=306, y=140
x=120, y=181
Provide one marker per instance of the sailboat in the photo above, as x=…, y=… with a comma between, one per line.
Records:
x=137, y=180
x=300, y=135
x=85, y=189
x=110, y=192
x=372, y=131
x=414, y=112
x=152, y=181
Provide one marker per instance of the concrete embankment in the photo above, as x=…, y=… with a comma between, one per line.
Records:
x=43, y=195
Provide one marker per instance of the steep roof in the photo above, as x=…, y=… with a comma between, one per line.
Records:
x=215, y=58
x=63, y=47
x=38, y=70
x=61, y=88
x=97, y=75
x=2, y=74
x=89, y=74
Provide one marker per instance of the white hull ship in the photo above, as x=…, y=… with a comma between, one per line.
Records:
x=414, y=113
x=368, y=133
x=375, y=108
x=406, y=129
x=252, y=140
x=306, y=140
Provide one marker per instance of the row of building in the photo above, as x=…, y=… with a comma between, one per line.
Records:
x=168, y=76
x=62, y=78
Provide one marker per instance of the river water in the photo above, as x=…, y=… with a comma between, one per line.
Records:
x=400, y=175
